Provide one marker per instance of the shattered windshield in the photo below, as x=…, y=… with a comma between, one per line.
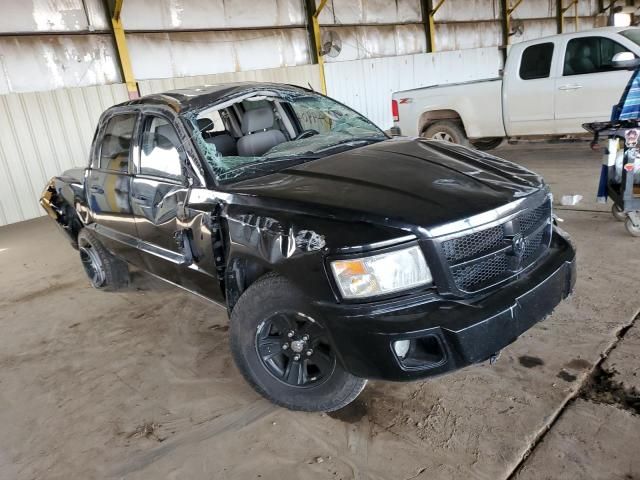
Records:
x=259, y=133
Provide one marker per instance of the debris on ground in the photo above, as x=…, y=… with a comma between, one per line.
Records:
x=146, y=430
x=602, y=388
x=570, y=200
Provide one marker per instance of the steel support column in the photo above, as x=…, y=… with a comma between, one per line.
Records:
x=428, y=14
x=506, y=22
x=562, y=10
x=115, y=9
x=310, y=9
x=317, y=42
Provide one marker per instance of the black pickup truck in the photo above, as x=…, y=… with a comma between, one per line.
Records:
x=339, y=253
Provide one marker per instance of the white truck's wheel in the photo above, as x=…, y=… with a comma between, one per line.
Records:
x=487, y=143
x=447, y=131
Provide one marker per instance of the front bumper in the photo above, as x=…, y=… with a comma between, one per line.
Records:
x=447, y=335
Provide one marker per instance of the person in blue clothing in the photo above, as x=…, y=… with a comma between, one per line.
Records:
x=629, y=106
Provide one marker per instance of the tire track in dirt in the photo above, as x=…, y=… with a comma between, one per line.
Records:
x=233, y=421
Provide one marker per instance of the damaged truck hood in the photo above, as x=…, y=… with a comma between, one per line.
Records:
x=401, y=183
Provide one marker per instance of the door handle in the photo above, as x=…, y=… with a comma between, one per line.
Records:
x=570, y=86
x=140, y=199
x=96, y=189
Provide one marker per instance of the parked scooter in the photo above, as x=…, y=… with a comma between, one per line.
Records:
x=620, y=174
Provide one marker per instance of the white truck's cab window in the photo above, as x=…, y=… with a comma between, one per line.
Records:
x=536, y=61
x=590, y=55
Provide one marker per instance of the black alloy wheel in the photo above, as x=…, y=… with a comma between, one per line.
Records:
x=284, y=349
x=92, y=264
x=105, y=271
x=294, y=349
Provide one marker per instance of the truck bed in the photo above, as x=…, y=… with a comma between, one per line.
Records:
x=439, y=85
x=477, y=102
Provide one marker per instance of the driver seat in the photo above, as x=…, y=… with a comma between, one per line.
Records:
x=259, y=135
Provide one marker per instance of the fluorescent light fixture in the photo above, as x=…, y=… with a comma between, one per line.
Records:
x=621, y=19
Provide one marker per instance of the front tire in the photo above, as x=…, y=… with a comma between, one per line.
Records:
x=618, y=213
x=633, y=230
x=447, y=131
x=105, y=271
x=285, y=353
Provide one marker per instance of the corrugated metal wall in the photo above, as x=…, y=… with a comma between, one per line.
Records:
x=462, y=24
x=169, y=38
x=367, y=85
x=374, y=28
x=304, y=75
x=46, y=44
x=42, y=134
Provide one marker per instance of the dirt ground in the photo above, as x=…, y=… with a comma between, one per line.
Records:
x=140, y=384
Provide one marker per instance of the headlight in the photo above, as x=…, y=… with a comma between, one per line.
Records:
x=381, y=274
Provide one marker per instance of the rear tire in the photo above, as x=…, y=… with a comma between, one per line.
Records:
x=303, y=375
x=105, y=271
x=447, y=131
x=485, y=144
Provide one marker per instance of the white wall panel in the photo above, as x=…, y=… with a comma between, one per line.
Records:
x=534, y=29
x=41, y=135
x=348, y=12
x=52, y=16
x=584, y=23
x=181, y=54
x=537, y=9
x=378, y=41
x=460, y=36
x=367, y=85
x=46, y=62
x=304, y=75
x=468, y=10
x=210, y=14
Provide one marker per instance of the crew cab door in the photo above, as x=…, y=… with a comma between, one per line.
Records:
x=108, y=183
x=587, y=86
x=171, y=236
x=527, y=92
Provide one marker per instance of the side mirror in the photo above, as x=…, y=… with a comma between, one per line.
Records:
x=625, y=60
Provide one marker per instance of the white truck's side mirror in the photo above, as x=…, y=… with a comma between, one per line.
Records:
x=625, y=60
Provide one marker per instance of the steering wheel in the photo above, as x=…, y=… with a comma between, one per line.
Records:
x=307, y=133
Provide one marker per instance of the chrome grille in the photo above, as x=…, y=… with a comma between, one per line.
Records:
x=477, y=274
x=531, y=219
x=470, y=245
x=486, y=257
x=532, y=244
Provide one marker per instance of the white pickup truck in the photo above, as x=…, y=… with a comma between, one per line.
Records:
x=550, y=87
